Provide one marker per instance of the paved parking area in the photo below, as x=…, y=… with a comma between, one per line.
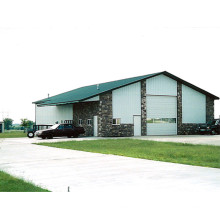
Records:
x=191, y=139
x=57, y=169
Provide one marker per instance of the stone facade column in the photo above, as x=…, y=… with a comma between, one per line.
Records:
x=209, y=108
x=143, y=109
x=105, y=115
x=179, y=108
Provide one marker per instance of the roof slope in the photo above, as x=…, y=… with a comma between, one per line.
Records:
x=87, y=92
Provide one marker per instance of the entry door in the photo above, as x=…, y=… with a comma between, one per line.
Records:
x=137, y=125
x=95, y=126
x=0, y=128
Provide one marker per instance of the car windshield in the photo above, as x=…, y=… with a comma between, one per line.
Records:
x=55, y=126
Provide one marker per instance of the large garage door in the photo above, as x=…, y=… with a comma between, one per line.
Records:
x=161, y=115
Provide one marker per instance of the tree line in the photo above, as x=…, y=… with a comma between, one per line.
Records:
x=25, y=124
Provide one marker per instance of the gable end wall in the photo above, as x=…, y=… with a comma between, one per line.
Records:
x=191, y=128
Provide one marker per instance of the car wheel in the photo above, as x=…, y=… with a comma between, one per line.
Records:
x=213, y=132
x=69, y=136
x=50, y=136
x=76, y=136
x=43, y=137
x=30, y=134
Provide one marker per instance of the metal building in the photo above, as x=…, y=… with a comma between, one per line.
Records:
x=154, y=104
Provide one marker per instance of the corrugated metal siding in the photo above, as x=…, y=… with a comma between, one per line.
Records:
x=126, y=102
x=194, y=106
x=52, y=114
x=161, y=85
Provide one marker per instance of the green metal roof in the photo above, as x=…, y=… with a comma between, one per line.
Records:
x=87, y=92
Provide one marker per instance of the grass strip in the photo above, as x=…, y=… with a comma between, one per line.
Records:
x=9, y=183
x=199, y=155
x=13, y=134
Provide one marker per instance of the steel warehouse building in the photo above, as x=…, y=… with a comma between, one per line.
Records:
x=154, y=104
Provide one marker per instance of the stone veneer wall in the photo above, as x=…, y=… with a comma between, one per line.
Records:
x=143, y=108
x=105, y=127
x=84, y=111
x=191, y=128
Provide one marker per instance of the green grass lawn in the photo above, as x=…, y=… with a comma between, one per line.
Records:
x=9, y=183
x=199, y=155
x=13, y=134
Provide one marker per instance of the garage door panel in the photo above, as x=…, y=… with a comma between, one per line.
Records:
x=161, y=106
x=161, y=129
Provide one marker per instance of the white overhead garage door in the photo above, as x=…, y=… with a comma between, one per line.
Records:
x=161, y=115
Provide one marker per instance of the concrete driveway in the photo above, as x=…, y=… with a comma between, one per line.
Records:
x=191, y=139
x=57, y=169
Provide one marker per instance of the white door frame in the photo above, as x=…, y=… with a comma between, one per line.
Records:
x=95, y=126
x=137, y=125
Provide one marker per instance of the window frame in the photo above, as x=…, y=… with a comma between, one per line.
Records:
x=118, y=121
x=161, y=121
x=89, y=120
x=80, y=122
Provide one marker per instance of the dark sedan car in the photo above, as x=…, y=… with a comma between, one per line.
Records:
x=60, y=130
x=212, y=127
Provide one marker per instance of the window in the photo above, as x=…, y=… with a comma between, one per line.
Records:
x=68, y=126
x=80, y=122
x=61, y=127
x=89, y=121
x=116, y=121
x=161, y=120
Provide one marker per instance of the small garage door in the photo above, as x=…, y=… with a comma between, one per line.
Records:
x=161, y=115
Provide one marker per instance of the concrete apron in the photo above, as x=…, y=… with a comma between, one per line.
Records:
x=60, y=169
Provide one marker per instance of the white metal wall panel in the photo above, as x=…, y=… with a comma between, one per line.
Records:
x=52, y=114
x=194, y=106
x=126, y=102
x=162, y=107
x=161, y=85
